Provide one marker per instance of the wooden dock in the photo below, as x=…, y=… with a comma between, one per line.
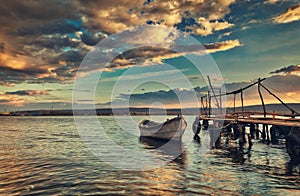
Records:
x=274, y=126
x=244, y=117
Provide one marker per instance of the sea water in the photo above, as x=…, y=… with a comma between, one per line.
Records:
x=47, y=155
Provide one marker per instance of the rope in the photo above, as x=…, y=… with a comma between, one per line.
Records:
x=291, y=109
x=283, y=93
x=231, y=103
x=250, y=100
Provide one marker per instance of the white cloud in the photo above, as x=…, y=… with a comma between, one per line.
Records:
x=272, y=1
x=208, y=27
x=156, y=35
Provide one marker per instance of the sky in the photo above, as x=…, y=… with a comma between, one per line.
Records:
x=43, y=45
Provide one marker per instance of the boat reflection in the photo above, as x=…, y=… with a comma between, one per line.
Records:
x=293, y=149
x=172, y=148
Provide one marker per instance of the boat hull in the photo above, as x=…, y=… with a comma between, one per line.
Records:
x=171, y=129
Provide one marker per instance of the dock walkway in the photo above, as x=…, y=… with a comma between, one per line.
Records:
x=290, y=122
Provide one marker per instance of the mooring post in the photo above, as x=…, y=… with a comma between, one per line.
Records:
x=242, y=134
x=263, y=133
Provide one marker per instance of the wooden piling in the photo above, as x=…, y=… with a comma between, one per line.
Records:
x=268, y=134
x=242, y=101
x=261, y=97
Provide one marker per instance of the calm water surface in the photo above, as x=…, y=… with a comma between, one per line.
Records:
x=45, y=155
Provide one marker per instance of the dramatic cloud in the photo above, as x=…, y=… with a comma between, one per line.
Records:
x=113, y=16
x=42, y=60
x=37, y=38
x=290, y=15
x=141, y=56
x=292, y=69
x=44, y=42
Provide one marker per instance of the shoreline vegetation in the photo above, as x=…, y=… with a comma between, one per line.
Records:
x=144, y=111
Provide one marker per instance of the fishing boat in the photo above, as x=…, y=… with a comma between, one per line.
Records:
x=170, y=129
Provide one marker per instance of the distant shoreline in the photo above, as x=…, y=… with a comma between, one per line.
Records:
x=278, y=108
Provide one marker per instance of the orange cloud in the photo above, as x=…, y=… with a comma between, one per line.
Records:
x=222, y=46
x=13, y=100
x=26, y=64
x=14, y=62
x=290, y=15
